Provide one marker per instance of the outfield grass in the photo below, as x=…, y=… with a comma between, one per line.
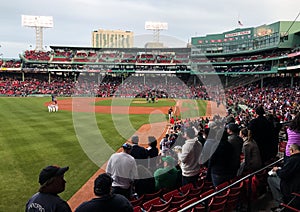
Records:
x=31, y=138
x=196, y=108
x=136, y=102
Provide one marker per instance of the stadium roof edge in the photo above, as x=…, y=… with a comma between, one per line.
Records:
x=134, y=48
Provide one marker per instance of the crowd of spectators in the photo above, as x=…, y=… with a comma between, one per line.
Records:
x=107, y=87
x=150, y=56
x=216, y=139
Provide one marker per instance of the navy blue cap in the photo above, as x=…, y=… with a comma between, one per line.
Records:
x=51, y=171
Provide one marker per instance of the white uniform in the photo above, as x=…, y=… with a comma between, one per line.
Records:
x=50, y=108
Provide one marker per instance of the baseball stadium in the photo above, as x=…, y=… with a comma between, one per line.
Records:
x=77, y=106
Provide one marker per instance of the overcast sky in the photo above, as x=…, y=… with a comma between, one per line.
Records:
x=74, y=20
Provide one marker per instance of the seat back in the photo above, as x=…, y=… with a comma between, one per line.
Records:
x=137, y=202
x=150, y=203
x=160, y=207
x=222, y=196
x=177, y=203
x=170, y=194
x=202, y=208
x=187, y=203
x=186, y=188
x=138, y=209
x=221, y=186
x=153, y=195
x=234, y=197
x=195, y=192
x=218, y=206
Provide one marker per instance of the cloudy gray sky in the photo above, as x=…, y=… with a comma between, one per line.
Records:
x=74, y=20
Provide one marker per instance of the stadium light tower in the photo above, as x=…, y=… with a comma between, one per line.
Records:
x=39, y=23
x=156, y=27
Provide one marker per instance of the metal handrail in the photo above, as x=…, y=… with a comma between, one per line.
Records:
x=229, y=186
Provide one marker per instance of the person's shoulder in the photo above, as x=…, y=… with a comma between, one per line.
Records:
x=295, y=157
x=128, y=156
x=158, y=172
x=140, y=147
x=120, y=197
x=91, y=204
x=247, y=144
x=83, y=206
x=121, y=203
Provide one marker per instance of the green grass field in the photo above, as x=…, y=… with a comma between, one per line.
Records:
x=31, y=138
x=136, y=102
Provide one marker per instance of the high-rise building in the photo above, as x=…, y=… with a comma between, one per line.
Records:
x=112, y=39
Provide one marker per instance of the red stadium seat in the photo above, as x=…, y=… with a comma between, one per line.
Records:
x=137, y=202
x=156, y=204
x=153, y=195
x=186, y=188
x=189, y=202
x=138, y=209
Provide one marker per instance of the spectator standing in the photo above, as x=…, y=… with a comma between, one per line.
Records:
x=105, y=200
x=190, y=158
x=152, y=153
x=200, y=137
x=172, y=121
x=277, y=127
x=52, y=183
x=123, y=170
x=170, y=113
x=220, y=164
x=252, y=161
x=237, y=143
x=287, y=179
x=293, y=133
x=211, y=143
x=165, y=145
x=263, y=133
x=145, y=183
x=138, y=152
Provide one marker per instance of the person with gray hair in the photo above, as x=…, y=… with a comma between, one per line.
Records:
x=138, y=152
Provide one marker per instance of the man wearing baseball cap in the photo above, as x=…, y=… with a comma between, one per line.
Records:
x=52, y=183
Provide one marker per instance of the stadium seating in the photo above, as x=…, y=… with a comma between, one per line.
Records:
x=137, y=202
x=293, y=204
x=153, y=195
x=185, y=189
x=189, y=202
x=175, y=195
x=234, y=197
x=156, y=204
x=138, y=209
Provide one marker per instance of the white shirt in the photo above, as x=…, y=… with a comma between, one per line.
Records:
x=122, y=168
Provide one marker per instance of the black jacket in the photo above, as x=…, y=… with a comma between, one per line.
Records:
x=290, y=176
